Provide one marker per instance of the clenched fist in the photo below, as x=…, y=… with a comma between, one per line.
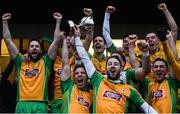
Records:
x=87, y=11
x=57, y=16
x=6, y=16
x=162, y=6
x=110, y=9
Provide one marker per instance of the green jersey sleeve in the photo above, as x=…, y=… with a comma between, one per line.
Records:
x=48, y=61
x=135, y=97
x=144, y=85
x=130, y=75
x=18, y=60
x=173, y=83
x=112, y=48
x=96, y=79
x=65, y=85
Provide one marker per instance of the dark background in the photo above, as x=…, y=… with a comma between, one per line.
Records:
x=130, y=15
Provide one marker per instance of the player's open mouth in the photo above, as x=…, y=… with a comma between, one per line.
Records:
x=151, y=44
x=98, y=46
x=80, y=81
x=159, y=73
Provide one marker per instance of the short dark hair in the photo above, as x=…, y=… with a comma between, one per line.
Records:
x=99, y=36
x=78, y=66
x=121, y=54
x=34, y=39
x=150, y=32
x=124, y=36
x=161, y=59
x=127, y=34
x=116, y=57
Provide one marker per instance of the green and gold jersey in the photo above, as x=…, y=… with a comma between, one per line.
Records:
x=33, y=79
x=75, y=100
x=57, y=72
x=162, y=97
x=115, y=97
x=99, y=65
x=153, y=56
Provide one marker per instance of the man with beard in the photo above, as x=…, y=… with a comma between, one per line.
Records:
x=110, y=95
x=77, y=96
x=33, y=75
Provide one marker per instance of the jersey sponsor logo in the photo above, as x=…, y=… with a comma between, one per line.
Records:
x=159, y=94
x=112, y=95
x=32, y=73
x=83, y=102
x=58, y=72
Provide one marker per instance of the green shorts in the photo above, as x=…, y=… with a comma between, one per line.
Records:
x=56, y=106
x=178, y=101
x=31, y=107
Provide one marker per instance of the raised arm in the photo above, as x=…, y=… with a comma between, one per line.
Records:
x=52, y=51
x=132, y=57
x=58, y=36
x=171, y=22
x=89, y=30
x=106, y=26
x=171, y=43
x=175, y=66
x=58, y=17
x=90, y=69
x=66, y=71
x=7, y=36
x=171, y=60
x=173, y=26
x=140, y=73
x=88, y=39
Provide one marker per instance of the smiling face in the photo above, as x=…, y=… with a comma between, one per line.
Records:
x=153, y=41
x=114, y=68
x=80, y=77
x=34, y=50
x=98, y=44
x=159, y=69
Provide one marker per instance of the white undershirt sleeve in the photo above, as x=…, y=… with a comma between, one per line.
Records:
x=106, y=30
x=90, y=69
x=147, y=109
